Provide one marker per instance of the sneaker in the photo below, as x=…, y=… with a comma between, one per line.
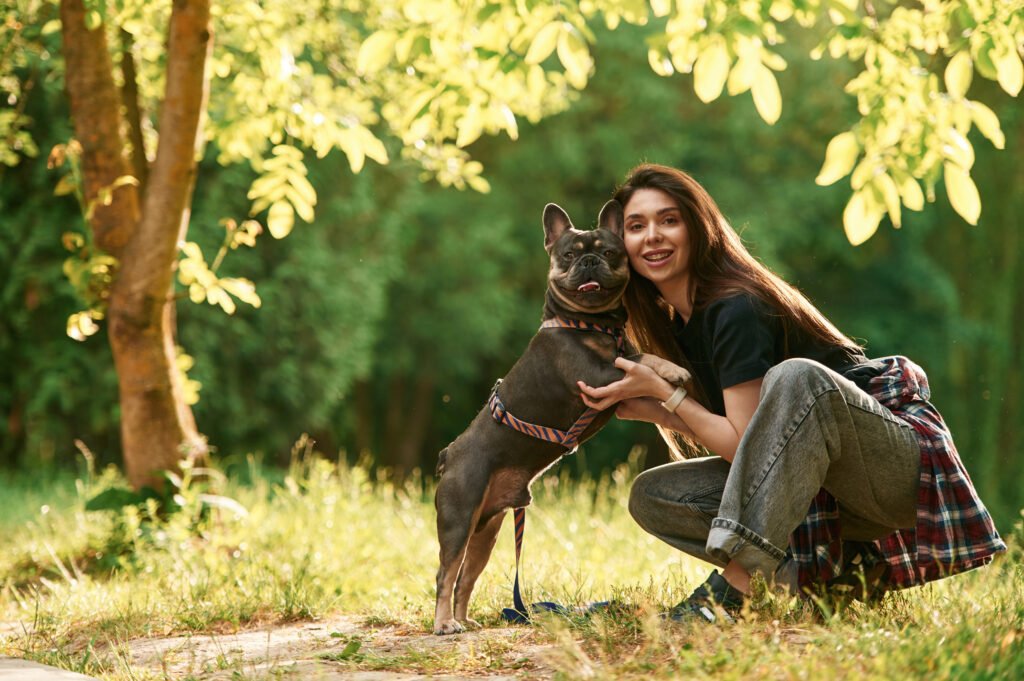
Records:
x=865, y=574
x=713, y=599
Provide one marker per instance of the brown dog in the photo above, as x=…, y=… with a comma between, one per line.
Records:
x=489, y=468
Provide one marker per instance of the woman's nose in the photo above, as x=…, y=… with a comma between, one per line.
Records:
x=652, y=232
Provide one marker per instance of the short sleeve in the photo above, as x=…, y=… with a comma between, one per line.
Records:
x=743, y=339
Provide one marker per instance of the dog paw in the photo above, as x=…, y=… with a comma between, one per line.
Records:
x=448, y=627
x=673, y=373
x=471, y=624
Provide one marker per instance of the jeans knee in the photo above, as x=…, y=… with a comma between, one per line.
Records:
x=639, y=498
x=797, y=373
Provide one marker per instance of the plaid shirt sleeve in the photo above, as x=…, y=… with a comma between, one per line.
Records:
x=954, y=531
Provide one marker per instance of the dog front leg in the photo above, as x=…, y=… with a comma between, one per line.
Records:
x=477, y=555
x=673, y=373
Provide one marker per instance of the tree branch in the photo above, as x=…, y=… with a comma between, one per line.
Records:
x=172, y=175
x=133, y=112
x=95, y=110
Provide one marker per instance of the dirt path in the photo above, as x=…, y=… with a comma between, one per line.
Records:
x=344, y=648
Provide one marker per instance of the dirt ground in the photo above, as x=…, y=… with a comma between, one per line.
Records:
x=344, y=648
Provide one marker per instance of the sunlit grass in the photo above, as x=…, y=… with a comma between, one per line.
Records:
x=329, y=540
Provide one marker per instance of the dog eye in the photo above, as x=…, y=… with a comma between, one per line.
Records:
x=569, y=255
x=609, y=253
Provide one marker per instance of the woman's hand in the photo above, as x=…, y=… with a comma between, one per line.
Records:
x=639, y=381
x=645, y=409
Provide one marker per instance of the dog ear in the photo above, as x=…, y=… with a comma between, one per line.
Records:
x=556, y=221
x=611, y=218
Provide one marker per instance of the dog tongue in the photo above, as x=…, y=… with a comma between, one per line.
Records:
x=589, y=286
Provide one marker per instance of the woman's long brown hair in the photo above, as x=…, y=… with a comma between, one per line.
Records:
x=720, y=266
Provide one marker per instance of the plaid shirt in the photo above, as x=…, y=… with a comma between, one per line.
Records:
x=954, y=531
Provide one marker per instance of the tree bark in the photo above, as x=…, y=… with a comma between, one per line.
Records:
x=157, y=426
x=95, y=112
x=132, y=110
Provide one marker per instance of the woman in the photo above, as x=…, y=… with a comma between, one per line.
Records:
x=824, y=461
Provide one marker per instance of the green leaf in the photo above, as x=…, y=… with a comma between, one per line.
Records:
x=470, y=126
x=767, y=97
x=988, y=124
x=958, y=74
x=575, y=57
x=711, y=70
x=910, y=192
x=243, y=289
x=958, y=149
x=659, y=62
x=114, y=499
x=890, y=195
x=280, y=219
x=861, y=217
x=65, y=185
x=544, y=43
x=376, y=52
x=1009, y=70
x=840, y=156
x=963, y=194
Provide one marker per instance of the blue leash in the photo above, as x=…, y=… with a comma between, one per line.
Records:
x=520, y=614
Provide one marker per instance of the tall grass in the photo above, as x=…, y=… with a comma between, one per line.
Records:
x=327, y=539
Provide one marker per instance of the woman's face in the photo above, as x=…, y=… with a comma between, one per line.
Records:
x=657, y=239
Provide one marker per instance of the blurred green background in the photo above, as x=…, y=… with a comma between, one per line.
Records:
x=386, y=322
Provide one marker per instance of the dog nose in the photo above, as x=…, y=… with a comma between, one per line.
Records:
x=589, y=261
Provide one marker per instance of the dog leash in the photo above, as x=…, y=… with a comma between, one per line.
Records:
x=519, y=614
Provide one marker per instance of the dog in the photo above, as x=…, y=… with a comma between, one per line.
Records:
x=488, y=469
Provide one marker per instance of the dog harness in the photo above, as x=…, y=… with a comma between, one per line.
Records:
x=569, y=439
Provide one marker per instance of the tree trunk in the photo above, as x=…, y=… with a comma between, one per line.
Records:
x=157, y=426
x=362, y=398
x=418, y=412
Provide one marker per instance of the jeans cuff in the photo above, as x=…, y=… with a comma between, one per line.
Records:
x=728, y=540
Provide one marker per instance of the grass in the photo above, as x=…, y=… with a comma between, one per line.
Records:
x=324, y=540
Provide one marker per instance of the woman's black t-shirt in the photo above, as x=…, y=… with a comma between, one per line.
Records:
x=737, y=339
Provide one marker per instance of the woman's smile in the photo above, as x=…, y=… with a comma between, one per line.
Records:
x=657, y=239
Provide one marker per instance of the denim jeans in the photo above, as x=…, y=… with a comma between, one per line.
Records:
x=812, y=429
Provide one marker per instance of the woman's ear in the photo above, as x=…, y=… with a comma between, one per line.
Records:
x=611, y=218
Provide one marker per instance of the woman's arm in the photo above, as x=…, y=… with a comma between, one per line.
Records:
x=719, y=434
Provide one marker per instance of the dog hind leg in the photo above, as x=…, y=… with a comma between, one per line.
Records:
x=458, y=504
x=478, y=554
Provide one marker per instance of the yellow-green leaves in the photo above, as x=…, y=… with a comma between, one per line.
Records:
x=575, y=57
x=544, y=43
x=958, y=74
x=767, y=97
x=376, y=51
x=840, y=156
x=204, y=284
x=861, y=216
x=1009, y=70
x=988, y=124
x=711, y=70
x=283, y=188
x=81, y=325
x=963, y=194
x=280, y=219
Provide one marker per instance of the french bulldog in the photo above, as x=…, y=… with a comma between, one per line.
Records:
x=488, y=469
